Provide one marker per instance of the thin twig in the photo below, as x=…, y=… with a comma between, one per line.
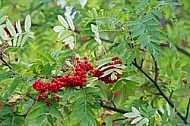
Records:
x=170, y=97
x=28, y=95
x=178, y=48
x=4, y=62
x=119, y=119
x=34, y=101
x=112, y=108
x=187, y=110
x=113, y=104
x=155, y=69
x=160, y=91
x=142, y=63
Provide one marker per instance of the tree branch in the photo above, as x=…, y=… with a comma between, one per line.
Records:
x=34, y=101
x=187, y=110
x=155, y=69
x=178, y=48
x=171, y=93
x=160, y=91
x=4, y=62
x=111, y=108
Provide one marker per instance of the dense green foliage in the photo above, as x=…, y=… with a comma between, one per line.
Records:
x=40, y=40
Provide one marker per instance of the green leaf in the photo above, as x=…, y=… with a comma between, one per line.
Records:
x=102, y=94
x=78, y=114
x=146, y=18
x=137, y=32
x=37, y=110
x=131, y=23
x=42, y=56
x=55, y=112
x=134, y=27
x=125, y=90
x=63, y=21
x=46, y=70
x=91, y=119
x=143, y=39
x=7, y=122
x=117, y=86
x=84, y=122
x=104, y=61
x=92, y=89
x=15, y=83
x=152, y=122
x=70, y=22
x=6, y=110
x=94, y=12
x=77, y=102
x=24, y=40
x=68, y=93
x=27, y=23
x=5, y=75
x=39, y=120
x=3, y=10
x=3, y=19
x=19, y=40
x=11, y=28
x=50, y=120
x=157, y=14
x=50, y=57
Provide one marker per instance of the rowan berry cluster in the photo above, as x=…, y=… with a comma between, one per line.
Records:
x=79, y=76
x=77, y=79
x=45, y=89
x=109, y=66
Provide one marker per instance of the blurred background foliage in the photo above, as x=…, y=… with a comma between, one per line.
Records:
x=115, y=18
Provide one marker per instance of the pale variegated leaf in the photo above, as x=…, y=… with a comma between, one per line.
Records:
x=27, y=23
x=63, y=21
x=70, y=22
x=11, y=28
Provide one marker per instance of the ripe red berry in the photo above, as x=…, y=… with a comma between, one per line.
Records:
x=115, y=58
x=85, y=58
x=48, y=103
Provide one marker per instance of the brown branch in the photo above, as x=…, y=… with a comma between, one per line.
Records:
x=160, y=91
x=111, y=107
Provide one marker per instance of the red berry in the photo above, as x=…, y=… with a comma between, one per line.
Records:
x=85, y=58
x=48, y=103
